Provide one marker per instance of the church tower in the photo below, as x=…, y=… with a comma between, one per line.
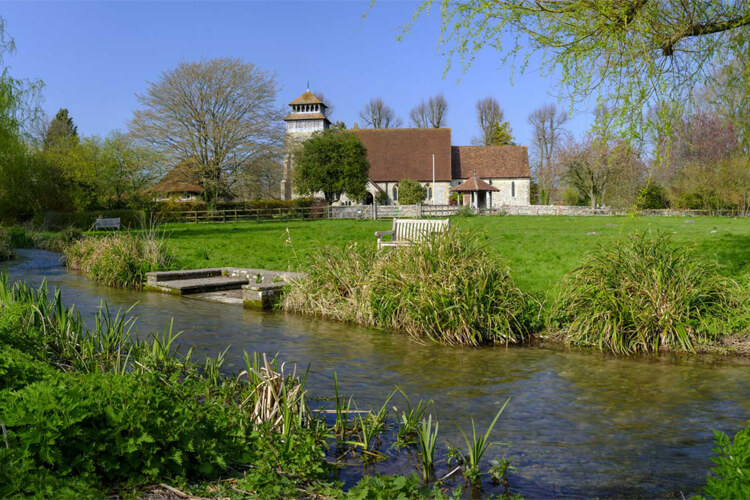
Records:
x=307, y=116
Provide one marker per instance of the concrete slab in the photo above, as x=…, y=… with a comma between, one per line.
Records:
x=201, y=285
x=232, y=297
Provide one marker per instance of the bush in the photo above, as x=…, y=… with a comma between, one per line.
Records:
x=17, y=333
x=6, y=250
x=410, y=192
x=641, y=295
x=120, y=259
x=106, y=429
x=18, y=369
x=730, y=478
x=449, y=289
x=652, y=197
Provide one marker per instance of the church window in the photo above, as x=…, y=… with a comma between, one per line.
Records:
x=513, y=189
x=395, y=193
x=428, y=192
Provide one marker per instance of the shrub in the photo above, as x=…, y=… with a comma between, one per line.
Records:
x=6, y=250
x=730, y=478
x=449, y=289
x=106, y=429
x=120, y=259
x=17, y=333
x=18, y=369
x=410, y=192
x=642, y=294
x=652, y=197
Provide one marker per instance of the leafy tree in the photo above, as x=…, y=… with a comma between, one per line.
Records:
x=127, y=168
x=629, y=53
x=377, y=114
x=220, y=113
x=502, y=135
x=61, y=131
x=652, y=197
x=410, y=192
x=332, y=162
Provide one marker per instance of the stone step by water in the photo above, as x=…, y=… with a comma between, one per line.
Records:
x=252, y=288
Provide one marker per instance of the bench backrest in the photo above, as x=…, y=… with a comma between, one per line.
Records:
x=107, y=222
x=418, y=229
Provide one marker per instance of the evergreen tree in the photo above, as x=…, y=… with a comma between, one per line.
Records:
x=61, y=130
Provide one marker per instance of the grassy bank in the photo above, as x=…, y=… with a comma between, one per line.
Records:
x=93, y=412
x=6, y=249
x=539, y=250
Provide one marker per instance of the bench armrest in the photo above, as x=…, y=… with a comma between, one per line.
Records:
x=380, y=234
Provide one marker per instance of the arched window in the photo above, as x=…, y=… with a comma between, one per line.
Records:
x=512, y=189
x=395, y=193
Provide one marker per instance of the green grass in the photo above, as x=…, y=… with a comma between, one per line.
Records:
x=539, y=250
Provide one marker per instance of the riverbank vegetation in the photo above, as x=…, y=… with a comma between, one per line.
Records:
x=6, y=249
x=451, y=290
x=120, y=259
x=641, y=294
x=96, y=411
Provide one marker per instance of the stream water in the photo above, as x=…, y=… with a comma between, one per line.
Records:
x=579, y=424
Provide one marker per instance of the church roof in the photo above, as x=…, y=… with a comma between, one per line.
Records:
x=473, y=184
x=307, y=98
x=403, y=153
x=490, y=162
x=305, y=116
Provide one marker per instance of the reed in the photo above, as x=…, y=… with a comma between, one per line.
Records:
x=642, y=294
x=427, y=438
x=120, y=259
x=477, y=446
x=449, y=289
x=6, y=250
x=410, y=420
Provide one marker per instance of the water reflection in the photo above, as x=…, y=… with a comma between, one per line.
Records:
x=580, y=424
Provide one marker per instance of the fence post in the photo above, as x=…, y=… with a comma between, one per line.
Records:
x=419, y=210
x=374, y=210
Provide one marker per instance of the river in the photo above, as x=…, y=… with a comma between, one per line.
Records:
x=579, y=424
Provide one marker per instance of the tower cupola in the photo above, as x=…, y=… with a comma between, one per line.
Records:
x=307, y=115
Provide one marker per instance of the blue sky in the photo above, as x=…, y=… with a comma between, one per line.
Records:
x=94, y=56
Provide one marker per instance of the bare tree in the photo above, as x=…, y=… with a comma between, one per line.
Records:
x=221, y=114
x=548, y=125
x=377, y=114
x=418, y=116
x=430, y=114
x=330, y=107
x=489, y=116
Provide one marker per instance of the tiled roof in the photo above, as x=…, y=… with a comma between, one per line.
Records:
x=181, y=179
x=474, y=184
x=304, y=116
x=307, y=98
x=403, y=153
x=490, y=161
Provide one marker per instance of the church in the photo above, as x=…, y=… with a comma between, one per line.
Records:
x=479, y=176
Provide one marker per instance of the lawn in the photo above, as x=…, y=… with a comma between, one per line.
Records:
x=539, y=250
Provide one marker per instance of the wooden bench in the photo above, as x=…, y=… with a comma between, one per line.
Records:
x=409, y=231
x=107, y=223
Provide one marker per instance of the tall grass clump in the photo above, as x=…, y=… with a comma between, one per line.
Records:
x=450, y=289
x=641, y=295
x=120, y=259
x=6, y=251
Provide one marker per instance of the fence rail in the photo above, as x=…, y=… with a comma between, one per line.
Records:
x=406, y=211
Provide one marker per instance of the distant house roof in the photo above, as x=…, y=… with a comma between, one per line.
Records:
x=490, y=161
x=305, y=116
x=307, y=98
x=181, y=179
x=403, y=153
x=473, y=184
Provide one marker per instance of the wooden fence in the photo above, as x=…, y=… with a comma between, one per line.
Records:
x=359, y=212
